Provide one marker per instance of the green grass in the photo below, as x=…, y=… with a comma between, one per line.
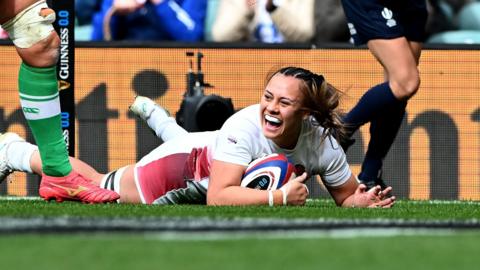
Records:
x=337, y=249
x=458, y=251
x=423, y=210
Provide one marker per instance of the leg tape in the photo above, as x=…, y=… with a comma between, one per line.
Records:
x=111, y=181
x=29, y=27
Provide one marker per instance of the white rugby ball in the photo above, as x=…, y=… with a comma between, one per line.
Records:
x=268, y=173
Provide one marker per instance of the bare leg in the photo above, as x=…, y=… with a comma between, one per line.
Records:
x=384, y=105
x=10, y=8
x=78, y=165
x=399, y=59
x=128, y=189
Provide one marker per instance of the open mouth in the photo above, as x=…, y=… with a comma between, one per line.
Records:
x=272, y=121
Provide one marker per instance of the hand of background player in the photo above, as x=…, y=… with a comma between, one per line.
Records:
x=251, y=4
x=124, y=7
x=373, y=198
x=295, y=192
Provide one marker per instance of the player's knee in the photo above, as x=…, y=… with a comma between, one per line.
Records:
x=33, y=35
x=406, y=86
x=43, y=53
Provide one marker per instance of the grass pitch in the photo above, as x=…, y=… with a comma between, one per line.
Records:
x=450, y=251
x=320, y=208
x=398, y=248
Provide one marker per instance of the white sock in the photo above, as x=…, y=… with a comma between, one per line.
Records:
x=19, y=155
x=165, y=127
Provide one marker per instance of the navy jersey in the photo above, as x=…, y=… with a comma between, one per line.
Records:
x=386, y=19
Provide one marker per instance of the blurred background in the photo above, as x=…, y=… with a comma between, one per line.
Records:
x=308, y=21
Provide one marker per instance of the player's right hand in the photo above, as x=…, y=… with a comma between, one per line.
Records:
x=295, y=191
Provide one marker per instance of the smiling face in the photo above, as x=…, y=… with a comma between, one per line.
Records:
x=280, y=110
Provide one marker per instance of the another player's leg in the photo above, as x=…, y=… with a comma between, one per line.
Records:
x=37, y=44
x=384, y=105
x=386, y=37
x=403, y=81
x=374, y=103
x=157, y=118
x=18, y=155
x=383, y=131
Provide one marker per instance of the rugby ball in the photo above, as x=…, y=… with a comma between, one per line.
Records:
x=268, y=173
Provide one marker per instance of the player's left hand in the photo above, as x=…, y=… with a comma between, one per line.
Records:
x=373, y=198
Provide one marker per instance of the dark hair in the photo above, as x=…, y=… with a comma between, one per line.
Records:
x=321, y=100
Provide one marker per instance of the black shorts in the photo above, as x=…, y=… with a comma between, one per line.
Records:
x=386, y=19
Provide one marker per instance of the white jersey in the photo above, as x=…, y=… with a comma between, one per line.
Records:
x=178, y=171
x=241, y=140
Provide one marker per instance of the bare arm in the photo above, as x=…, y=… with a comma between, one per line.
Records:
x=224, y=188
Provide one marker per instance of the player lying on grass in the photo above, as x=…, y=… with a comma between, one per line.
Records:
x=296, y=116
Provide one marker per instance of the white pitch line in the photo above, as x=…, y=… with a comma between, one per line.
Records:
x=20, y=198
x=442, y=202
x=314, y=234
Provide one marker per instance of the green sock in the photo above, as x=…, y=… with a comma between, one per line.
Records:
x=41, y=106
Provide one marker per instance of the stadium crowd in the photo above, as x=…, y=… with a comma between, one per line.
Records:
x=269, y=21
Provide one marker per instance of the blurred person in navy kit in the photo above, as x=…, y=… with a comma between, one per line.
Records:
x=393, y=31
x=85, y=9
x=177, y=20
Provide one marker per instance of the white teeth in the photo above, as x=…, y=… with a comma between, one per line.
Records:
x=272, y=119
